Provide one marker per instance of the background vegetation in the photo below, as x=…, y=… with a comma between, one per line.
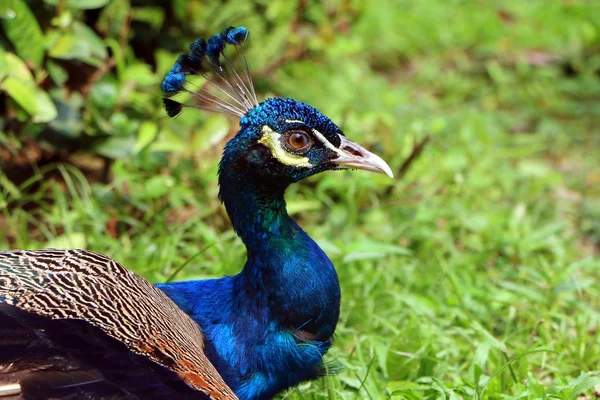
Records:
x=473, y=274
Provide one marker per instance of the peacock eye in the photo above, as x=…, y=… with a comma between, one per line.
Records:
x=298, y=141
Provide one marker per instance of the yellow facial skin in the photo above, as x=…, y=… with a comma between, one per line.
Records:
x=349, y=154
x=270, y=138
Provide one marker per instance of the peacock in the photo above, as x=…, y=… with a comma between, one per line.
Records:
x=75, y=324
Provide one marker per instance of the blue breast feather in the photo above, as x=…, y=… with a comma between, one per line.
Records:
x=252, y=321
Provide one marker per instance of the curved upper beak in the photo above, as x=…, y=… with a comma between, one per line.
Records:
x=354, y=156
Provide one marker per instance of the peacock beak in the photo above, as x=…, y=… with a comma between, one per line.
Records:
x=353, y=156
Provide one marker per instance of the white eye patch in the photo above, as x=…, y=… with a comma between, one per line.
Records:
x=319, y=137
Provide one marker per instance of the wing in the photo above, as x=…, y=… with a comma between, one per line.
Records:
x=74, y=310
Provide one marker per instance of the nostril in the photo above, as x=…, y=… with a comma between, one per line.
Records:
x=352, y=150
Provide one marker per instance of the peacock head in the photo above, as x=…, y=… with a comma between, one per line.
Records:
x=281, y=140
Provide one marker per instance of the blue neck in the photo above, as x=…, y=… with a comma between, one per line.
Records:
x=268, y=327
x=286, y=272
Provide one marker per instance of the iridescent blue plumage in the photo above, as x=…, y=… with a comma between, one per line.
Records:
x=214, y=48
x=235, y=36
x=175, y=79
x=269, y=327
x=197, y=52
x=264, y=330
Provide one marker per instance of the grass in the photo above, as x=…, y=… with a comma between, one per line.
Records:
x=474, y=275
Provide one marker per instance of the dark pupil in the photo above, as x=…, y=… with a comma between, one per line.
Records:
x=298, y=140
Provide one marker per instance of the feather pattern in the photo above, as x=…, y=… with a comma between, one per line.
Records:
x=87, y=286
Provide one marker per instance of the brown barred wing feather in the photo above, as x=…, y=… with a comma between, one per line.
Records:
x=79, y=289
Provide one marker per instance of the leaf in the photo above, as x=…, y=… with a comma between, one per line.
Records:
x=480, y=358
x=146, y=135
x=58, y=74
x=420, y=304
x=116, y=146
x=406, y=394
x=20, y=86
x=68, y=47
x=300, y=206
x=68, y=122
x=81, y=4
x=80, y=43
x=113, y=17
x=105, y=93
x=489, y=338
x=404, y=389
x=212, y=131
x=153, y=16
x=169, y=140
x=15, y=67
x=45, y=107
x=8, y=187
x=155, y=187
x=32, y=99
x=329, y=247
x=88, y=4
x=368, y=250
x=507, y=365
x=582, y=384
x=141, y=74
x=23, y=30
x=21, y=92
x=526, y=292
x=72, y=240
x=121, y=124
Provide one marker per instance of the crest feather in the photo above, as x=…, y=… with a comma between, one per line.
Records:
x=225, y=90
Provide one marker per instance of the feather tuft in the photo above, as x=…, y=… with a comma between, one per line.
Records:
x=175, y=79
x=226, y=91
x=214, y=48
x=172, y=107
x=235, y=36
x=197, y=52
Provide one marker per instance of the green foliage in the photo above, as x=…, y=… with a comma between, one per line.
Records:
x=473, y=275
x=22, y=29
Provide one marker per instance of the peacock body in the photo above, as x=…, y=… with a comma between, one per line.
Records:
x=75, y=324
